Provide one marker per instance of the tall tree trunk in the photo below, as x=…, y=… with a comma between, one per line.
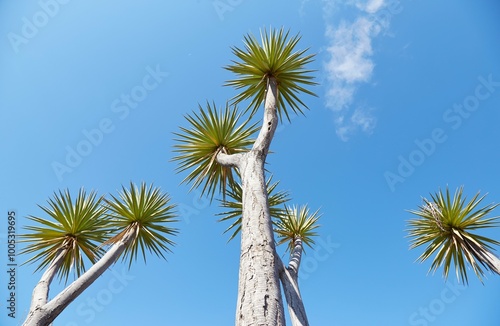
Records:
x=289, y=278
x=259, y=296
x=44, y=314
x=259, y=293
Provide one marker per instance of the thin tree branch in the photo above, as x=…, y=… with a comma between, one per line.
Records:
x=41, y=291
x=230, y=160
x=295, y=258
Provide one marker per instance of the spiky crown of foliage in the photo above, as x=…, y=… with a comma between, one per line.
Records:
x=74, y=228
x=211, y=131
x=275, y=57
x=445, y=226
x=297, y=223
x=149, y=212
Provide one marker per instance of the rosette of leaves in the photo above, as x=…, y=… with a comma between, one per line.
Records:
x=446, y=226
x=73, y=227
x=274, y=57
x=298, y=222
x=210, y=132
x=146, y=212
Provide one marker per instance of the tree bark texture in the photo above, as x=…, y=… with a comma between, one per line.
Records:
x=259, y=293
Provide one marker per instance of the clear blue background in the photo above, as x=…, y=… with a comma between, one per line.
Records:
x=414, y=61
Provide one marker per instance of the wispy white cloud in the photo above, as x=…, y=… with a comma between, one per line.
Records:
x=350, y=50
x=361, y=119
x=373, y=6
x=350, y=64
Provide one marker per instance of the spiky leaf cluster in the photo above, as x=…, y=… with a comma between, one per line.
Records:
x=297, y=223
x=74, y=227
x=210, y=132
x=274, y=57
x=445, y=224
x=146, y=211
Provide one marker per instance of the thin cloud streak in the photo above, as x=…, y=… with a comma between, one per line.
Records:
x=349, y=64
x=361, y=119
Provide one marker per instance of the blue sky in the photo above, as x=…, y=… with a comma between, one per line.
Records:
x=408, y=98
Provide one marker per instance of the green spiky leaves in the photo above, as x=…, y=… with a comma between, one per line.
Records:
x=81, y=227
x=444, y=225
x=75, y=227
x=275, y=57
x=149, y=213
x=211, y=132
x=297, y=223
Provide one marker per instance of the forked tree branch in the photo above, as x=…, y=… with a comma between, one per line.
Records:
x=45, y=314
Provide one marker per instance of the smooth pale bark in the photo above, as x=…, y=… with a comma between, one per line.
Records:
x=229, y=160
x=259, y=292
x=43, y=313
x=289, y=278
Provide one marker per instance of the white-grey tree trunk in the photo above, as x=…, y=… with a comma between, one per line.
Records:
x=259, y=295
x=43, y=313
x=259, y=291
x=289, y=278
